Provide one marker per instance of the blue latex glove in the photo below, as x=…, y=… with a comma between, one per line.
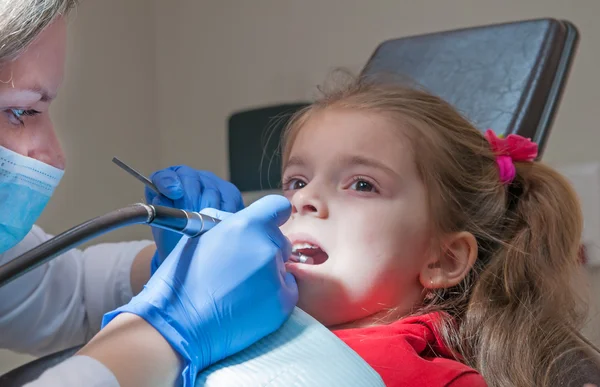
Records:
x=188, y=189
x=218, y=294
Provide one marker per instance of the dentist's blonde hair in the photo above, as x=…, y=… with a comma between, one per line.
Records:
x=21, y=21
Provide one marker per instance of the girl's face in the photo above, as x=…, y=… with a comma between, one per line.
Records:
x=360, y=212
x=28, y=85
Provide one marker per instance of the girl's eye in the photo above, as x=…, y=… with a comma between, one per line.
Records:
x=362, y=185
x=16, y=115
x=293, y=184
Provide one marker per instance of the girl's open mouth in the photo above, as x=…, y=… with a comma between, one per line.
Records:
x=308, y=253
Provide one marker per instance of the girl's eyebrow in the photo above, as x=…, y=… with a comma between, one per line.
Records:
x=351, y=160
x=367, y=162
x=294, y=162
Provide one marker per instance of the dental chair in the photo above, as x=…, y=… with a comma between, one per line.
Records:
x=508, y=77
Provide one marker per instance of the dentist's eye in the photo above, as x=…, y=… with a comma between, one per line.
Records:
x=293, y=184
x=362, y=185
x=16, y=115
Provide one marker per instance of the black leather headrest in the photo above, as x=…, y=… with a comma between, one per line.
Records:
x=254, y=138
x=507, y=77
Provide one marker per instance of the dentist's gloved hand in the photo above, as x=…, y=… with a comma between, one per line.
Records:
x=218, y=294
x=188, y=189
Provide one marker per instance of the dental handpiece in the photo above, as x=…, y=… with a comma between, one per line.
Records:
x=189, y=223
x=193, y=224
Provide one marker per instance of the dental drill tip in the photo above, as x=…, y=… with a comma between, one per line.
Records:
x=297, y=258
x=301, y=259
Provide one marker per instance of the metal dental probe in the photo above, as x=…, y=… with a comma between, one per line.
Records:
x=136, y=174
x=149, y=184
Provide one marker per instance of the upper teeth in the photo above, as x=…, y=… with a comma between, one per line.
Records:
x=300, y=246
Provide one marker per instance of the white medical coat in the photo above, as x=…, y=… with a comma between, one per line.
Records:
x=61, y=303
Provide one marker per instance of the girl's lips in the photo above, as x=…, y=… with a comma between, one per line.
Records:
x=307, y=250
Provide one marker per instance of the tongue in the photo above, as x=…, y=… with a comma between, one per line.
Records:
x=320, y=258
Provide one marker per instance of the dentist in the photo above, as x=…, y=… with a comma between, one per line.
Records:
x=188, y=315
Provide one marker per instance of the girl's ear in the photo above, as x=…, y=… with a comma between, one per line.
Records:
x=450, y=267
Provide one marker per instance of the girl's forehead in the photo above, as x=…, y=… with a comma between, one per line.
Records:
x=333, y=133
x=352, y=128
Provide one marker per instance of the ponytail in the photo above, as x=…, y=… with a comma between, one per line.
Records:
x=522, y=321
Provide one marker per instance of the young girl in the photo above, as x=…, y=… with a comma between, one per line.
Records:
x=442, y=256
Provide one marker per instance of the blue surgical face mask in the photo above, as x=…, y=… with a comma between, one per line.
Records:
x=26, y=185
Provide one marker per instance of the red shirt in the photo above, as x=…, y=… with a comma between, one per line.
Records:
x=402, y=353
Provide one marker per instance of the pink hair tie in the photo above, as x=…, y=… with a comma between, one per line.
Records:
x=508, y=150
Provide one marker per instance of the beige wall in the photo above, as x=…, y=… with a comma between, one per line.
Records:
x=153, y=83
x=106, y=108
